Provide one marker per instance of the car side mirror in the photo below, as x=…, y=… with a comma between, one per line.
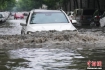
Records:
x=23, y=24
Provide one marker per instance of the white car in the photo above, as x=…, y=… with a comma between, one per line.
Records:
x=2, y=17
x=45, y=20
x=102, y=24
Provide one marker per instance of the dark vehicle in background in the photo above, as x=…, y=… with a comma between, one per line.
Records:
x=84, y=16
x=25, y=13
x=98, y=14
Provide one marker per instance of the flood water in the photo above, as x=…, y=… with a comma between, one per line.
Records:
x=45, y=58
x=50, y=59
x=11, y=27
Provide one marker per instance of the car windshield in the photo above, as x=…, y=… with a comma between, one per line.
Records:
x=48, y=17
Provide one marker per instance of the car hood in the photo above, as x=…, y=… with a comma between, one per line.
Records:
x=51, y=26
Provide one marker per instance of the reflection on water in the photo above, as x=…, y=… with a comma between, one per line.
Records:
x=49, y=59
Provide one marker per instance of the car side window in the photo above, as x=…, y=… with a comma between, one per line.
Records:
x=27, y=18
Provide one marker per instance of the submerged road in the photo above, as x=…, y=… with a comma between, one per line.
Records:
x=11, y=26
x=50, y=50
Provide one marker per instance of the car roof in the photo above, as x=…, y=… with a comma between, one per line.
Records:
x=43, y=10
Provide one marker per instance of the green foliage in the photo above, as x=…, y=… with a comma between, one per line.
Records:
x=6, y=4
x=28, y=4
x=33, y=4
x=51, y=3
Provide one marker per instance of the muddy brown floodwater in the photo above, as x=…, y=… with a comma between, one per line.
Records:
x=50, y=50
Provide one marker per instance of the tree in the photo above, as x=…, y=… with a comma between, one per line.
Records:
x=6, y=4
x=28, y=4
